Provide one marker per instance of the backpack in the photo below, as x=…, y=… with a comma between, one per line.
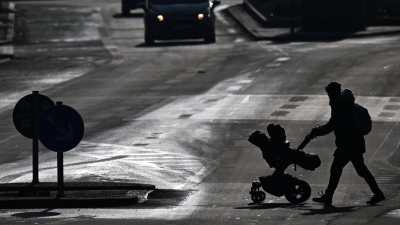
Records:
x=361, y=120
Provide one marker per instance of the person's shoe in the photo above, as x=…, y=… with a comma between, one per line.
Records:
x=325, y=198
x=376, y=198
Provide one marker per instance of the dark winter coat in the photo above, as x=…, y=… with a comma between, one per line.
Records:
x=348, y=141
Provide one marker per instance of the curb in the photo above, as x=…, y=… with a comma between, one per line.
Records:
x=262, y=20
x=73, y=186
x=83, y=195
x=254, y=12
x=67, y=202
x=252, y=34
x=258, y=32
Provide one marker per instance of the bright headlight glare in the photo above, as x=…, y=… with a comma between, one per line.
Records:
x=160, y=18
x=200, y=16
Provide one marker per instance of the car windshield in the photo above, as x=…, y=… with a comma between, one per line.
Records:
x=176, y=1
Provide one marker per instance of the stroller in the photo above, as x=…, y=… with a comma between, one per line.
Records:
x=278, y=154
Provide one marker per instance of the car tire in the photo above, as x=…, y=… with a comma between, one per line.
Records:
x=210, y=39
x=149, y=40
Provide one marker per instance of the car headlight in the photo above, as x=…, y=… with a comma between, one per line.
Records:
x=160, y=18
x=200, y=16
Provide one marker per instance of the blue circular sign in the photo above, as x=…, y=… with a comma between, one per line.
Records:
x=60, y=128
x=23, y=113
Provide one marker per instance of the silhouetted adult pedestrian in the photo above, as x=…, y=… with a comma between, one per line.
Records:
x=350, y=143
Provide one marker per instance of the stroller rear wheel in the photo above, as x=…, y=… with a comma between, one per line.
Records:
x=299, y=192
x=258, y=196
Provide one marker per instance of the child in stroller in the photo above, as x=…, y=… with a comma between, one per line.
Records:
x=277, y=153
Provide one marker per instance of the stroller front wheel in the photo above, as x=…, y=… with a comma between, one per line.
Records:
x=299, y=192
x=258, y=196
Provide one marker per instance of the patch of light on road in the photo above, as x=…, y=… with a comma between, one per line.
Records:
x=46, y=214
x=101, y=161
x=9, y=99
x=282, y=59
x=376, y=40
x=394, y=213
x=59, y=78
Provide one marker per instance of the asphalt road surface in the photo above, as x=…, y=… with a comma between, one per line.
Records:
x=178, y=115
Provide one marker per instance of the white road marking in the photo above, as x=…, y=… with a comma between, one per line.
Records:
x=239, y=40
x=246, y=99
x=244, y=81
x=231, y=31
x=282, y=59
x=234, y=88
x=273, y=65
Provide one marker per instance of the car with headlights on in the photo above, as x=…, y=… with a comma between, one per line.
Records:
x=179, y=19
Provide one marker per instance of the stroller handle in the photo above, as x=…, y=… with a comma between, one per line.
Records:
x=303, y=144
x=307, y=140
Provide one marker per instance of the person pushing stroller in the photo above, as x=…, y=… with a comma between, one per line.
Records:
x=349, y=128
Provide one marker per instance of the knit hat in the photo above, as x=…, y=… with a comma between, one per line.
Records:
x=333, y=89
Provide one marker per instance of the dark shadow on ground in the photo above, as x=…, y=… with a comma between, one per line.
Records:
x=329, y=209
x=308, y=36
x=131, y=15
x=45, y=213
x=272, y=206
x=303, y=35
x=173, y=43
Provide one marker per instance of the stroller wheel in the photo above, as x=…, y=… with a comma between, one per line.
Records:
x=258, y=196
x=299, y=192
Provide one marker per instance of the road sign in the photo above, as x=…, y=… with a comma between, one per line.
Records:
x=23, y=114
x=60, y=128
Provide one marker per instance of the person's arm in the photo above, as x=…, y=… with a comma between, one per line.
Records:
x=324, y=129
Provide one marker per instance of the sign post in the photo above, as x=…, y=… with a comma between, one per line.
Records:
x=25, y=117
x=35, y=140
x=60, y=129
x=60, y=174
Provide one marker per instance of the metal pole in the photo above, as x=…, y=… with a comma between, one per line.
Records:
x=35, y=140
x=60, y=174
x=60, y=171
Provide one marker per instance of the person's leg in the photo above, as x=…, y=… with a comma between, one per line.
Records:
x=336, y=172
x=362, y=171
